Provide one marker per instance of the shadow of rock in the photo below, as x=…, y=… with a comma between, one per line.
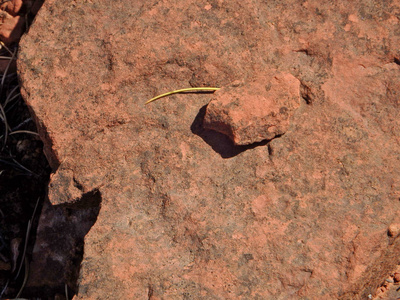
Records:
x=59, y=246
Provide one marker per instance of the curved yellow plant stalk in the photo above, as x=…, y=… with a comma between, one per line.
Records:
x=194, y=89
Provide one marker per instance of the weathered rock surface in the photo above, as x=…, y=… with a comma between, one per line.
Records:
x=254, y=111
x=186, y=214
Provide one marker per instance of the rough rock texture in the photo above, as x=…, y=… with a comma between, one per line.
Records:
x=254, y=111
x=184, y=213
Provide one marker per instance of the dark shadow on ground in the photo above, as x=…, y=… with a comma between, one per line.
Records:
x=59, y=247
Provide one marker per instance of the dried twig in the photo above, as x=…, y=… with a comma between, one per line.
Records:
x=194, y=89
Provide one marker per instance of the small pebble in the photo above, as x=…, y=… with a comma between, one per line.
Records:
x=396, y=277
x=394, y=229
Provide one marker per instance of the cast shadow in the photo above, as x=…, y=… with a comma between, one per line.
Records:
x=55, y=265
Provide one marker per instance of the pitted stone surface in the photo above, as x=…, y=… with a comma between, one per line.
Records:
x=304, y=217
x=254, y=111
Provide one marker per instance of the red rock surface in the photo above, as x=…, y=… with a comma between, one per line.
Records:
x=254, y=111
x=185, y=214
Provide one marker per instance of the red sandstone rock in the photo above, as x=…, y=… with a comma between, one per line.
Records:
x=254, y=111
x=13, y=15
x=184, y=212
x=12, y=7
x=394, y=230
x=64, y=188
x=11, y=28
x=396, y=277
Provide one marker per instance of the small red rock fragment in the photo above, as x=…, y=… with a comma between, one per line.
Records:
x=394, y=230
x=12, y=20
x=63, y=187
x=11, y=28
x=254, y=111
x=396, y=277
x=13, y=6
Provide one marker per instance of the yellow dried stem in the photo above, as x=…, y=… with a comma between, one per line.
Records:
x=195, y=89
